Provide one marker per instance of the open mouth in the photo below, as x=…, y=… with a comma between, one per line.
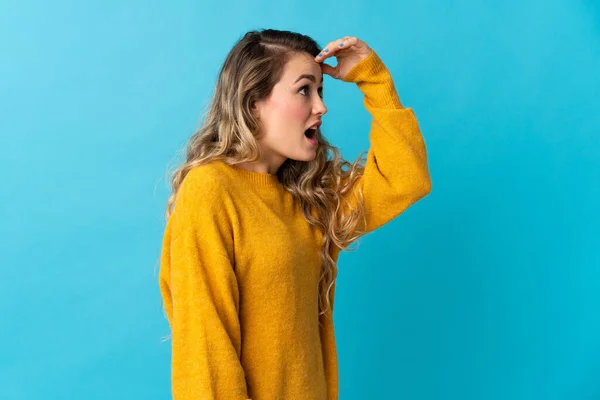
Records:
x=311, y=135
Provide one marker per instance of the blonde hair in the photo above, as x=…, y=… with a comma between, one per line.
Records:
x=230, y=131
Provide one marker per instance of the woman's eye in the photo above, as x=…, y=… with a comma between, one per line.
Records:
x=305, y=88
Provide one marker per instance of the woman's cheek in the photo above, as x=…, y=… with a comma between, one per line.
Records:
x=299, y=112
x=293, y=110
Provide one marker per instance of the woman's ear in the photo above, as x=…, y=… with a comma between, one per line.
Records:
x=254, y=109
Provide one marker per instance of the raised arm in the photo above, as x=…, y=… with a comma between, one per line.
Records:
x=396, y=172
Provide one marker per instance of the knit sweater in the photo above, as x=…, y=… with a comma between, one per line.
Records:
x=240, y=264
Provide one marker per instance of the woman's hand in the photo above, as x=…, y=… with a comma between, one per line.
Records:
x=349, y=51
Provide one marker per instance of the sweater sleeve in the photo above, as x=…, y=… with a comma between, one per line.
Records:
x=396, y=173
x=200, y=293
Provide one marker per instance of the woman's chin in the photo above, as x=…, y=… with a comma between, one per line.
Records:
x=310, y=155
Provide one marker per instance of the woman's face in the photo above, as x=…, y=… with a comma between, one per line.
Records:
x=293, y=106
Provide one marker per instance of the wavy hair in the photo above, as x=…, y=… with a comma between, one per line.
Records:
x=230, y=131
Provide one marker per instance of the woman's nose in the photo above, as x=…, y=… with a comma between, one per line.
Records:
x=320, y=108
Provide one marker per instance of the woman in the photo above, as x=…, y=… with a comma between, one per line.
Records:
x=249, y=255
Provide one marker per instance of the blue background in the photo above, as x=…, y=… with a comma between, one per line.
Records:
x=489, y=288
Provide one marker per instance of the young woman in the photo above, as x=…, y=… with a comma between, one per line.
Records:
x=260, y=210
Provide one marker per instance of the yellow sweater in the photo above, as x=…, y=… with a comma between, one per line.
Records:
x=240, y=267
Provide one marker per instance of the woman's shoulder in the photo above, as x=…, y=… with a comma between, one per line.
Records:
x=210, y=180
x=203, y=199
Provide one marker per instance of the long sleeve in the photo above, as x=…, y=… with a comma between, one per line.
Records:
x=200, y=294
x=396, y=172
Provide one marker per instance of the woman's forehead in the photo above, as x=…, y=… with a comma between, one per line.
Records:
x=301, y=64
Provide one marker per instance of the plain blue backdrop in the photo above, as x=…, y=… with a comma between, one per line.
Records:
x=489, y=288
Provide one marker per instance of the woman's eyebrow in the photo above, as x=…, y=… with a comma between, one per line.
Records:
x=309, y=76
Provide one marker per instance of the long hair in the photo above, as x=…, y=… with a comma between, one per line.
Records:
x=230, y=131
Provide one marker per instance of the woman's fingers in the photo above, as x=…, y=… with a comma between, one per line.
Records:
x=335, y=47
x=329, y=70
